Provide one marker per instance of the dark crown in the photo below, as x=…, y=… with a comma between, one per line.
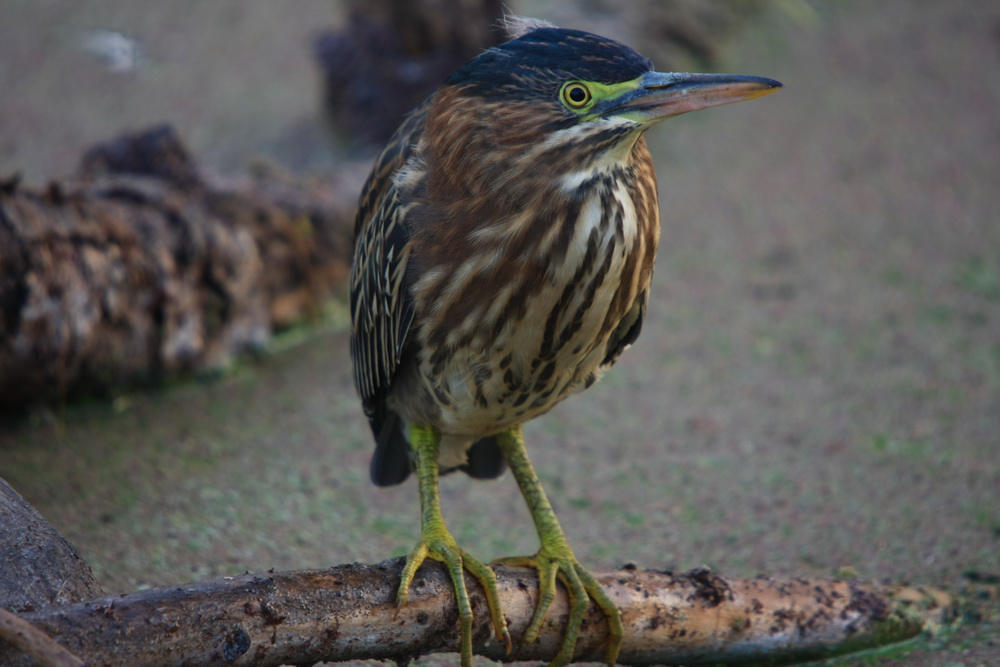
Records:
x=546, y=56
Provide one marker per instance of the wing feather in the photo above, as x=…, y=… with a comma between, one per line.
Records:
x=627, y=330
x=381, y=304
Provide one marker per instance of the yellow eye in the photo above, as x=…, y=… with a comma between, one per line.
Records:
x=576, y=95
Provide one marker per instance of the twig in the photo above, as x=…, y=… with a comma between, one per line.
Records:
x=28, y=639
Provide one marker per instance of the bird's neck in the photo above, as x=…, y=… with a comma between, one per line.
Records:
x=522, y=176
x=630, y=151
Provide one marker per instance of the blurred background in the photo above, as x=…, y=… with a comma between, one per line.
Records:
x=817, y=387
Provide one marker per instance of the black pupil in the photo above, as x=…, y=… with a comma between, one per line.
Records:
x=577, y=94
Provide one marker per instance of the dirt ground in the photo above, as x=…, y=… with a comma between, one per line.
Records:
x=817, y=386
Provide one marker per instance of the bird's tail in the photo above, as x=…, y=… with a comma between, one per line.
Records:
x=393, y=460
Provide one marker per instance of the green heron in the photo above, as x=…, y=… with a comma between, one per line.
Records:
x=505, y=241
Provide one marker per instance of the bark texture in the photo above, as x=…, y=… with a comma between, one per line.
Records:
x=349, y=612
x=145, y=268
x=38, y=567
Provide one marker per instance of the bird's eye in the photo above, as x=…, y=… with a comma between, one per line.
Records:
x=575, y=95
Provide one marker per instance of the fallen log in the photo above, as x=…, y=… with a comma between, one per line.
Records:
x=144, y=268
x=348, y=612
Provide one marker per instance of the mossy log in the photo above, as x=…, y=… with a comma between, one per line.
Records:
x=144, y=268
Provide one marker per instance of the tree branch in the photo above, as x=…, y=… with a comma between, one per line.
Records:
x=348, y=612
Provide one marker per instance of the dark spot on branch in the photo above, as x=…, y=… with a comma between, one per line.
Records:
x=709, y=587
x=235, y=644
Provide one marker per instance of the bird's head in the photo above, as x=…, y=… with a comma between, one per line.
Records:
x=558, y=97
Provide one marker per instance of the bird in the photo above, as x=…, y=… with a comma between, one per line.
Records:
x=504, y=244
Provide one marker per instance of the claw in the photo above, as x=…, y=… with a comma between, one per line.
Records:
x=438, y=544
x=581, y=588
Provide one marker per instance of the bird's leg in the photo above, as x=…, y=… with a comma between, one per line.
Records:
x=437, y=543
x=555, y=560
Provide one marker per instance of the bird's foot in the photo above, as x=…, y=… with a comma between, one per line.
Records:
x=438, y=544
x=555, y=560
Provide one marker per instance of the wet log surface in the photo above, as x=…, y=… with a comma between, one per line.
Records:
x=144, y=268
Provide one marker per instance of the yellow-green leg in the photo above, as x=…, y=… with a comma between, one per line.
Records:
x=555, y=560
x=438, y=544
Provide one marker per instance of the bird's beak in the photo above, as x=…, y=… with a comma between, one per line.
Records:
x=661, y=95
